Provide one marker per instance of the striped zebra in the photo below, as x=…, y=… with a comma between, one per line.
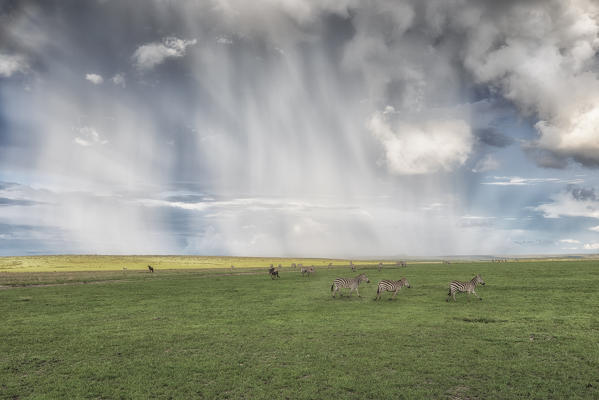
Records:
x=348, y=283
x=391, y=286
x=467, y=287
x=307, y=270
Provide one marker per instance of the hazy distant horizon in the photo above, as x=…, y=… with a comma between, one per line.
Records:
x=319, y=128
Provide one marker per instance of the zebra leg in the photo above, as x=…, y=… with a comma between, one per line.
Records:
x=453, y=294
x=480, y=298
x=358, y=292
x=394, y=294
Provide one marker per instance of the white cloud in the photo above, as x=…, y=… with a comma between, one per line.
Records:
x=488, y=163
x=545, y=65
x=149, y=55
x=12, y=63
x=119, y=80
x=565, y=205
x=591, y=246
x=594, y=228
x=223, y=40
x=569, y=241
x=94, y=78
x=88, y=136
x=424, y=147
x=518, y=181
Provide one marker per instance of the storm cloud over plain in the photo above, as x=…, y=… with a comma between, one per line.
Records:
x=315, y=128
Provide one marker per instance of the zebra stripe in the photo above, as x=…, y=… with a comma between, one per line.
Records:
x=348, y=283
x=391, y=286
x=465, y=287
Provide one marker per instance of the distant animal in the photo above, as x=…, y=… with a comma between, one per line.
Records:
x=151, y=269
x=307, y=270
x=402, y=264
x=348, y=283
x=273, y=272
x=293, y=265
x=353, y=267
x=391, y=286
x=465, y=287
x=330, y=265
x=380, y=266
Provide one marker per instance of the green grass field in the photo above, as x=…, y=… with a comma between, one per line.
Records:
x=215, y=334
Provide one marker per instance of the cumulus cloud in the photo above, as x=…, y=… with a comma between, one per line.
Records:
x=594, y=228
x=11, y=64
x=94, y=78
x=591, y=246
x=571, y=204
x=422, y=147
x=149, y=55
x=88, y=136
x=541, y=56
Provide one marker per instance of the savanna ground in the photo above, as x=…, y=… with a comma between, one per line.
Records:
x=217, y=333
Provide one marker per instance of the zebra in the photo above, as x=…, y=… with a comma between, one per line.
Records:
x=347, y=283
x=307, y=270
x=272, y=271
x=150, y=268
x=353, y=267
x=380, y=266
x=468, y=287
x=391, y=286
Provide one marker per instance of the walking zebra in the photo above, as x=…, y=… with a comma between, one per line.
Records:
x=307, y=270
x=391, y=286
x=348, y=283
x=467, y=287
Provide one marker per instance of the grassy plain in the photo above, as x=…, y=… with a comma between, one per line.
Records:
x=70, y=263
x=216, y=334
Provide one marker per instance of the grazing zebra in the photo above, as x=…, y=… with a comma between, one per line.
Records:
x=293, y=265
x=150, y=268
x=391, y=286
x=348, y=283
x=273, y=272
x=380, y=266
x=467, y=287
x=307, y=270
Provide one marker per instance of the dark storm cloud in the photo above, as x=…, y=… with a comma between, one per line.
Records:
x=15, y=202
x=583, y=194
x=290, y=99
x=494, y=138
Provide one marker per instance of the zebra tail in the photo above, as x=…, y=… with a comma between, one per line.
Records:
x=332, y=287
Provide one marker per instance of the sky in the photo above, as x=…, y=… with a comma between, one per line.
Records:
x=317, y=128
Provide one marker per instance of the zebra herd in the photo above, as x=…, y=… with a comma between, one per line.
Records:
x=385, y=285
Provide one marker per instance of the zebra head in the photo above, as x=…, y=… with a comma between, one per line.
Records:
x=479, y=279
x=406, y=283
x=362, y=277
